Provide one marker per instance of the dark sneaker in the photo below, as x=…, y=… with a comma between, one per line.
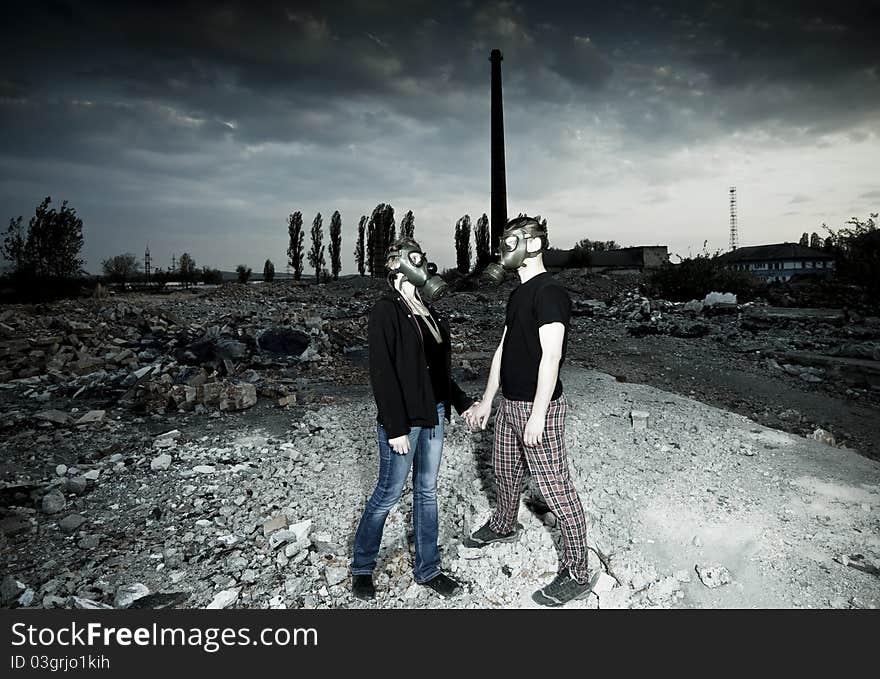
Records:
x=362, y=587
x=486, y=536
x=443, y=585
x=563, y=589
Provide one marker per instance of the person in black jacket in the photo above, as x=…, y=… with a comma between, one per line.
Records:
x=410, y=373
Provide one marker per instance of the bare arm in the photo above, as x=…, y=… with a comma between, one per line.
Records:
x=478, y=414
x=551, y=336
x=494, y=380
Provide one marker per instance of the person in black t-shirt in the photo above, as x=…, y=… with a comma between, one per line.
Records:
x=530, y=423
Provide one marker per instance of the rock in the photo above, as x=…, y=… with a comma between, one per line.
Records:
x=682, y=576
x=604, y=584
x=285, y=401
x=141, y=372
x=53, y=502
x=713, y=576
x=61, y=470
x=54, y=416
x=161, y=462
x=225, y=598
x=92, y=475
x=714, y=298
x=10, y=589
x=823, y=436
x=126, y=595
x=203, y=469
x=76, y=485
x=294, y=549
x=71, y=522
x=85, y=365
x=639, y=419
x=694, y=306
x=27, y=598
x=275, y=523
x=173, y=435
x=470, y=552
x=87, y=604
x=323, y=544
x=301, y=530
x=335, y=575
x=89, y=542
x=239, y=397
x=93, y=417
x=281, y=537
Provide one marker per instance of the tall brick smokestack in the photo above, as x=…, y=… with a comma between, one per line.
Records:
x=499, y=182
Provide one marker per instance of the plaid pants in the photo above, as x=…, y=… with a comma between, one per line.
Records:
x=548, y=465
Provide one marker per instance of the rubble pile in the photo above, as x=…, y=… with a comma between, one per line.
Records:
x=220, y=350
x=244, y=517
x=149, y=463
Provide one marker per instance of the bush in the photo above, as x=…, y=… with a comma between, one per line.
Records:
x=244, y=273
x=696, y=277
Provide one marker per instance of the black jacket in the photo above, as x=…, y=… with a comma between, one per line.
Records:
x=399, y=371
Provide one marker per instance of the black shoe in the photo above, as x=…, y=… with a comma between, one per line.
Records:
x=362, y=587
x=563, y=589
x=443, y=585
x=486, y=536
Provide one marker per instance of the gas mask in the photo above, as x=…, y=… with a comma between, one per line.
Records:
x=513, y=247
x=414, y=265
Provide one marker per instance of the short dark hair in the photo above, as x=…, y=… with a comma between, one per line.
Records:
x=532, y=226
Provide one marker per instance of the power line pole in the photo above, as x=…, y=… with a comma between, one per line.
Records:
x=734, y=234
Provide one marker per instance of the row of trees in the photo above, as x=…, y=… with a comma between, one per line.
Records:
x=374, y=235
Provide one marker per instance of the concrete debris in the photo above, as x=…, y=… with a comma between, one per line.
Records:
x=823, y=436
x=54, y=416
x=275, y=523
x=335, y=575
x=713, y=576
x=126, y=595
x=71, y=523
x=161, y=462
x=604, y=584
x=224, y=598
x=53, y=502
x=93, y=417
x=10, y=589
x=88, y=604
x=639, y=420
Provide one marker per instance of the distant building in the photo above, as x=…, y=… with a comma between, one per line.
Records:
x=780, y=261
x=621, y=261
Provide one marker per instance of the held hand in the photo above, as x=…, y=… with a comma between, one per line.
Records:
x=534, y=431
x=400, y=444
x=479, y=414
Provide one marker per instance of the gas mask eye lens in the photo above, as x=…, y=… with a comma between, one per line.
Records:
x=416, y=258
x=432, y=268
x=510, y=242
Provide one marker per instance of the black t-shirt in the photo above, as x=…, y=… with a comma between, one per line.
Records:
x=538, y=301
x=435, y=355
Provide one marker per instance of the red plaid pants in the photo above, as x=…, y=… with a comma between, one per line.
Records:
x=548, y=465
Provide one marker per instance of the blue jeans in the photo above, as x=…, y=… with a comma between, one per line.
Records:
x=425, y=450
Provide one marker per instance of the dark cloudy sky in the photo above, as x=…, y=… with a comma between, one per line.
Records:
x=200, y=126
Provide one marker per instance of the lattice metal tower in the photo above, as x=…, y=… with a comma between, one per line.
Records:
x=173, y=263
x=147, y=263
x=734, y=234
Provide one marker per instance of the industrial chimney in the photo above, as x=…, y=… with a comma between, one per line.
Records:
x=499, y=183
